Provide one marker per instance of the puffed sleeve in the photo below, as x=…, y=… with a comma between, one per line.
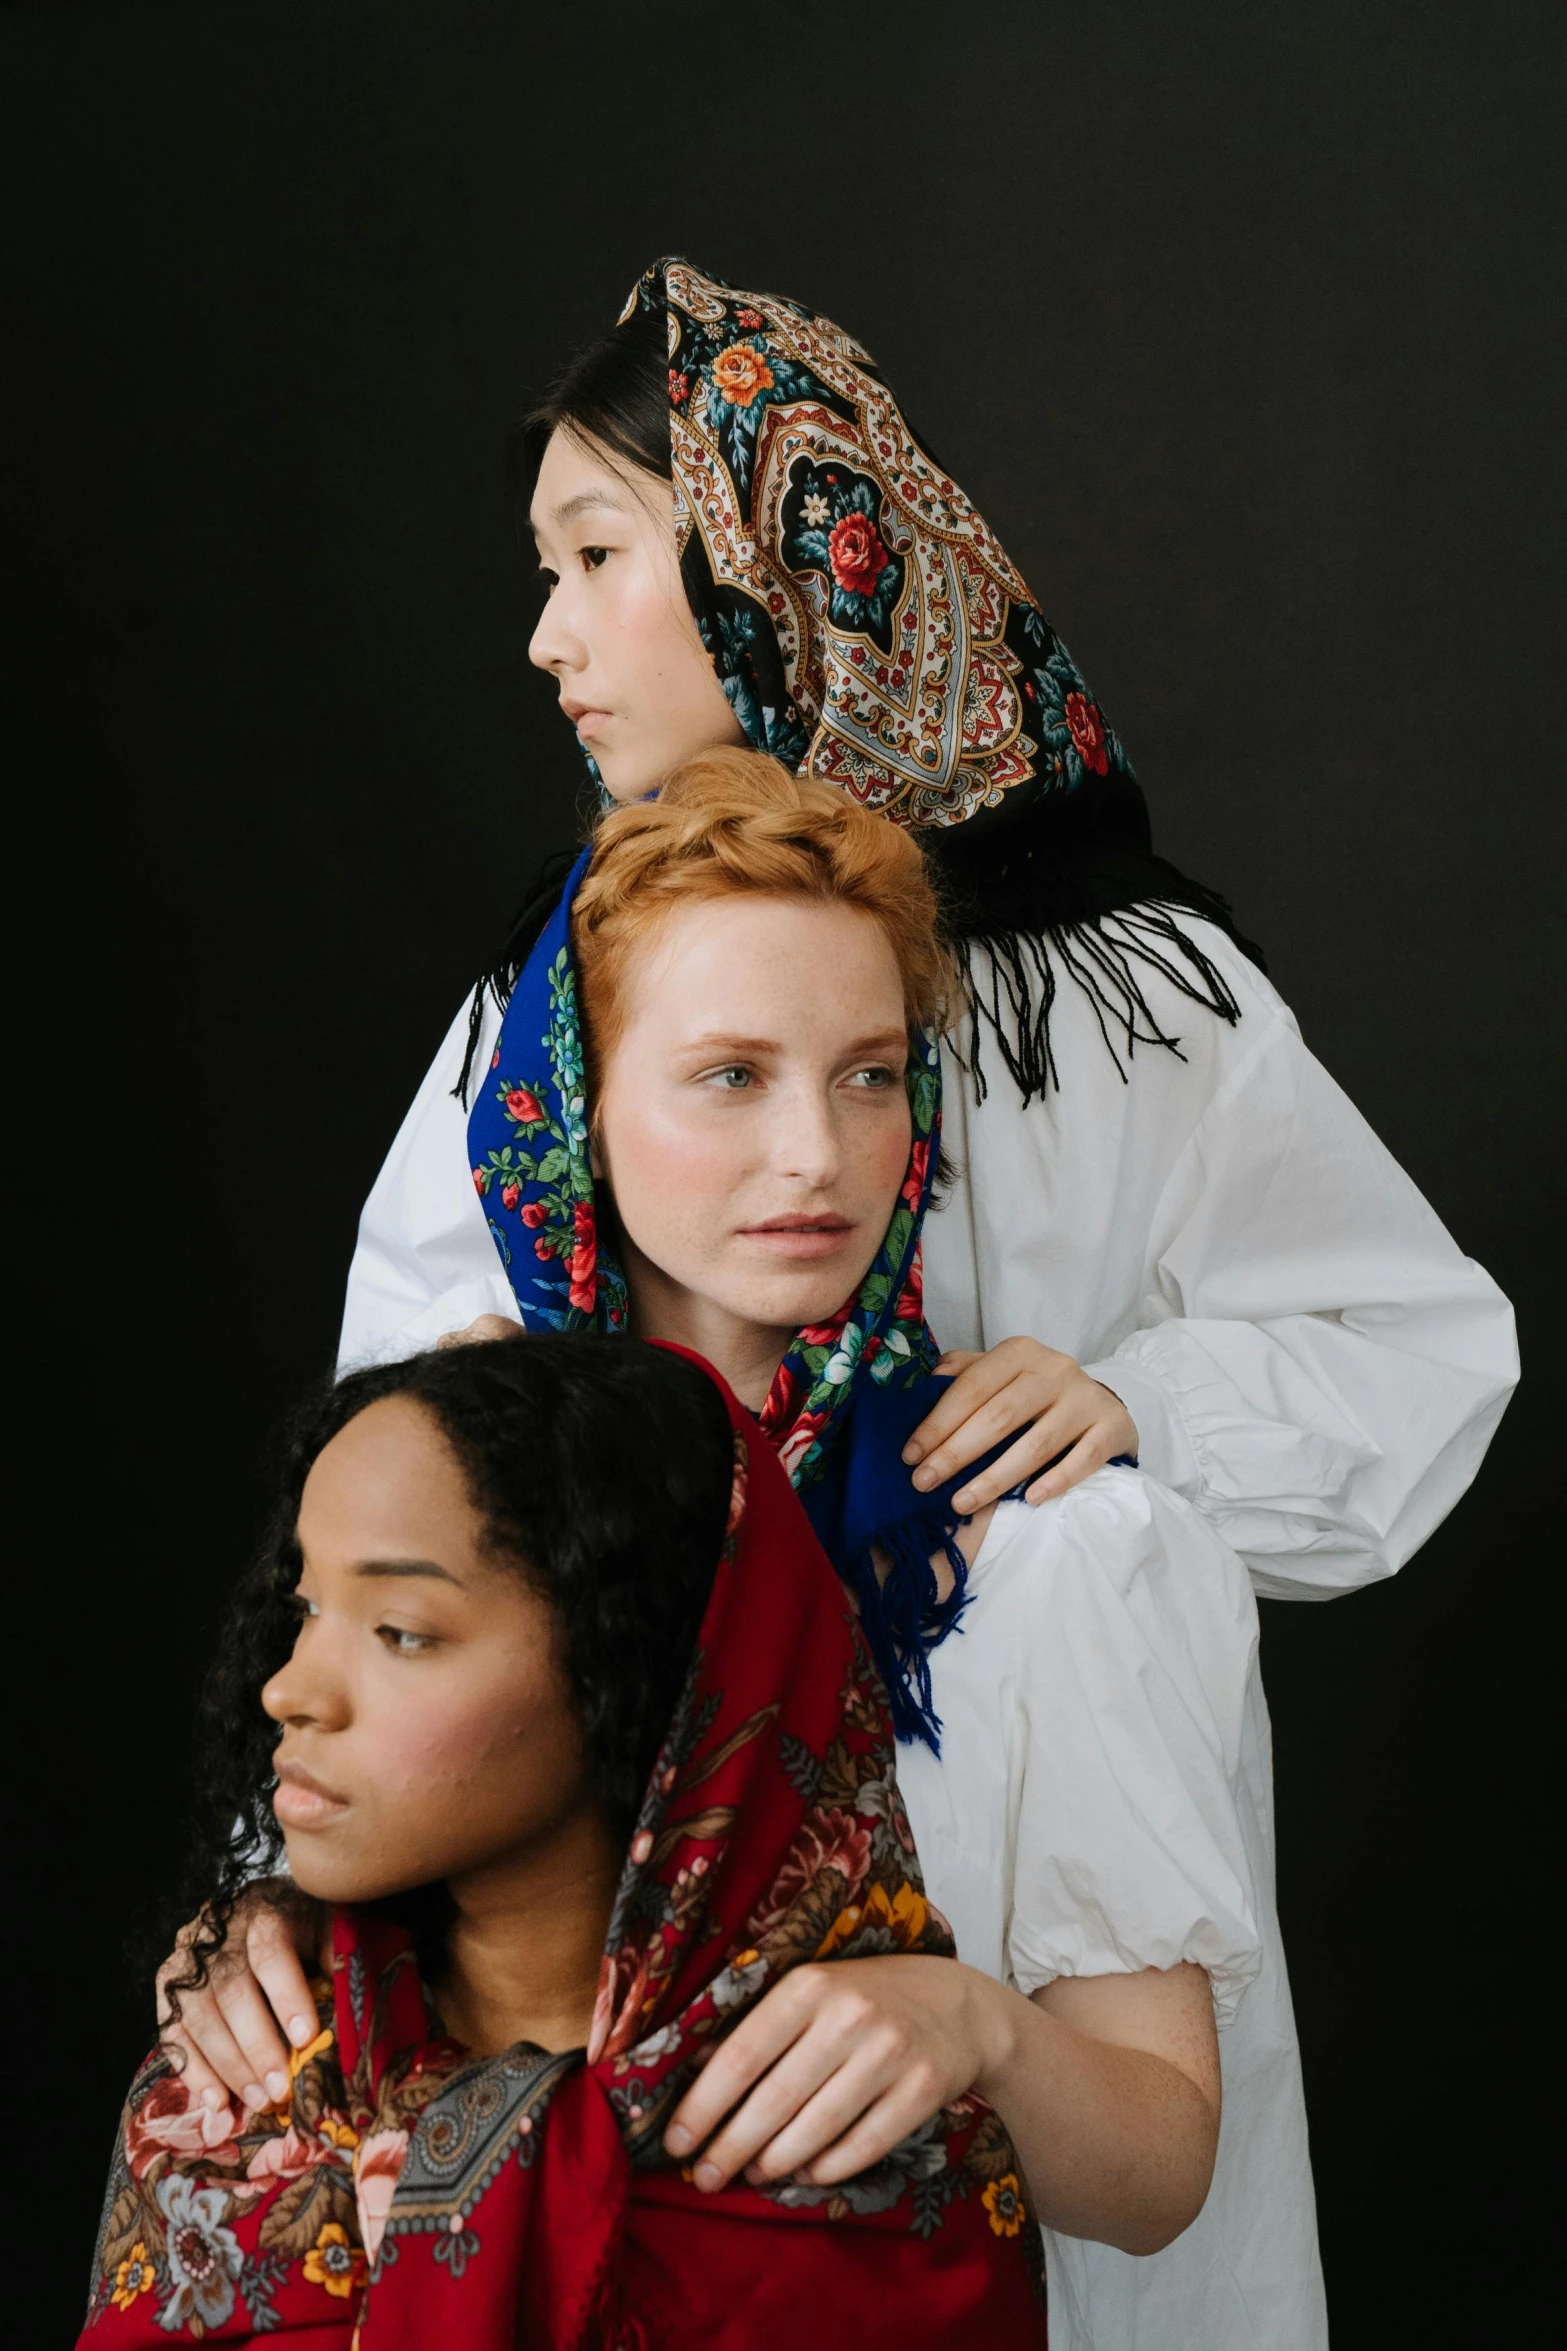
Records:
x=1130, y=1849
x=424, y=1263
x=1334, y=1366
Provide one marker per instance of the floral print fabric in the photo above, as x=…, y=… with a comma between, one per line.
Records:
x=528, y=1145
x=405, y=2193
x=865, y=622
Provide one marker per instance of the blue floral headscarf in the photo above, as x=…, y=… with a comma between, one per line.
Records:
x=847, y=1393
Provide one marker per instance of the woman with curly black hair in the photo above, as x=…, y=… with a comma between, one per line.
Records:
x=540, y=1641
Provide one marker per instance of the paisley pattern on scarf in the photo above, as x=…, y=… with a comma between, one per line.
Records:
x=865, y=622
x=405, y=2192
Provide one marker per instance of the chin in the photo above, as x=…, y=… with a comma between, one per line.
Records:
x=341, y=1877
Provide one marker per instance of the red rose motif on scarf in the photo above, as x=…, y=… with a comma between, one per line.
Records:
x=524, y=1107
x=827, y=1840
x=584, y=1258
x=478, y=1181
x=533, y=1213
x=510, y=1195
x=166, y=2123
x=857, y=556
x=914, y=1181
x=1088, y=732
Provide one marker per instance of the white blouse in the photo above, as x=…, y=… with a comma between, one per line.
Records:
x=1220, y=1238
x=1310, y=1361
x=1103, y=1803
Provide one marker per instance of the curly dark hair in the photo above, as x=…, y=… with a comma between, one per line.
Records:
x=601, y=1472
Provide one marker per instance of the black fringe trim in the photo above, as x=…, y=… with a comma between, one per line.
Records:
x=1017, y=1003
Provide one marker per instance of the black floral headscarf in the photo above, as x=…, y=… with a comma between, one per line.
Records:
x=869, y=628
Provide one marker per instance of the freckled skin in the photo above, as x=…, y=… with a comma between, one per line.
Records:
x=617, y=633
x=743, y=1089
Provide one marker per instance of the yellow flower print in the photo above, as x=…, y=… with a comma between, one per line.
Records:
x=1003, y=2200
x=336, y=2132
x=335, y=2261
x=135, y=2275
x=298, y=2059
x=740, y=373
x=903, y=1916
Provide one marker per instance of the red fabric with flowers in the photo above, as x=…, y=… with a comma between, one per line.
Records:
x=406, y=2194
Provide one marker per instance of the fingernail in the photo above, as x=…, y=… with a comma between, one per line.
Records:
x=964, y=1501
x=707, y=2177
x=912, y=1452
x=301, y=2029
x=677, y=2139
x=923, y=1479
x=277, y=2085
x=253, y=2094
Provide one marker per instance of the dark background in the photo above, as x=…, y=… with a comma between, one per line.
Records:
x=1240, y=323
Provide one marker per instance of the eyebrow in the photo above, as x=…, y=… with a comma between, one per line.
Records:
x=570, y=508
x=409, y=1567
x=723, y=1041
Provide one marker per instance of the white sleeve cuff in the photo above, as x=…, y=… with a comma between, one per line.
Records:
x=1164, y=1448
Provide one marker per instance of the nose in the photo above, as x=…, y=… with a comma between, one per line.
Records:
x=809, y=1140
x=308, y=1690
x=556, y=644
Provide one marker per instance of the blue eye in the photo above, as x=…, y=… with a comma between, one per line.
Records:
x=875, y=1080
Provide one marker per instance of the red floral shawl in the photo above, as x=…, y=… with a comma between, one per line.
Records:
x=405, y=2194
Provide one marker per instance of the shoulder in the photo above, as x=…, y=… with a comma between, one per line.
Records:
x=1120, y=1548
x=201, y=2215
x=1114, y=1016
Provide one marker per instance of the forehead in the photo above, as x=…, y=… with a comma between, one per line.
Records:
x=781, y=962
x=388, y=1485
x=574, y=478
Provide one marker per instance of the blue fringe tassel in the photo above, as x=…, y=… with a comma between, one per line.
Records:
x=903, y=1619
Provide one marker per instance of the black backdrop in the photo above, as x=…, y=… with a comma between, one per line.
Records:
x=1239, y=324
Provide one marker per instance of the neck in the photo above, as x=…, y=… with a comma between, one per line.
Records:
x=746, y=1353
x=523, y=1950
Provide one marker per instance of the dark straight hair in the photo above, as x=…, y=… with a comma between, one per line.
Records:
x=614, y=392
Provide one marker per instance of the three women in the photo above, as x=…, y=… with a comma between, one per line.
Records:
x=744, y=540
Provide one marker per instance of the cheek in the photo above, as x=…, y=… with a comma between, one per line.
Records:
x=673, y=1177
x=426, y=1743
x=885, y=1161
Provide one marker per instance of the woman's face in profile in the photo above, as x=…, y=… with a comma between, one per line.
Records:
x=617, y=633
x=753, y=1124
x=427, y=1731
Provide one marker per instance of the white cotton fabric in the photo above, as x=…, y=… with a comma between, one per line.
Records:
x=1313, y=1366
x=1103, y=1803
x=1221, y=1239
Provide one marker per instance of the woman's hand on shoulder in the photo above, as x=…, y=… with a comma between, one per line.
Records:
x=1045, y=1398
x=834, y=2066
x=230, y=2037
